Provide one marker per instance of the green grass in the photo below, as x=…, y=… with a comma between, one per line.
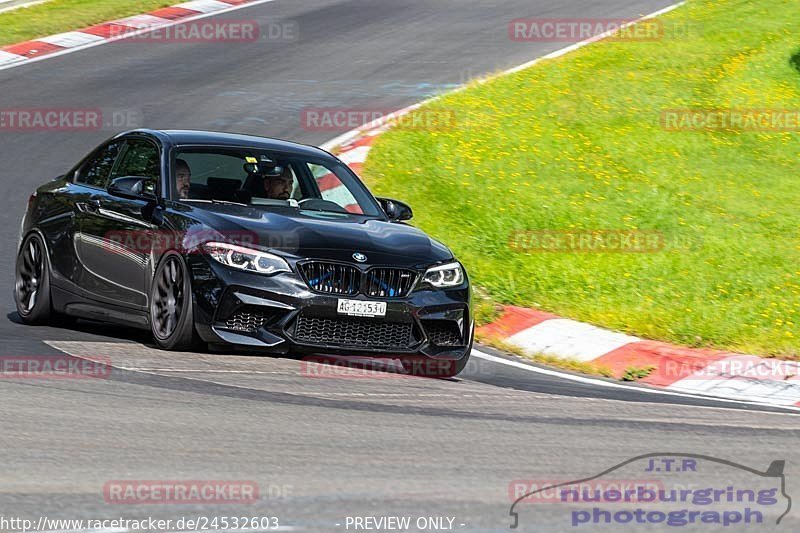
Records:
x=576, y=143
x=633, y=373
x=56, y=16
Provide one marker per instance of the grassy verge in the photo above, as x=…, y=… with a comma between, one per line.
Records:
x=57, y=16
x=578, y=144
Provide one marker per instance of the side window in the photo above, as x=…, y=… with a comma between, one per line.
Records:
x=95, y=172
x=141, y=158
x=332, y=189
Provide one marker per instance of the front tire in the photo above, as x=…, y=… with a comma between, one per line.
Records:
x=171, y=317
x=32, y=281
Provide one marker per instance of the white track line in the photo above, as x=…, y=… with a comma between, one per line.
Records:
x=128, y=35
x=599, y=37
x=480, y=355
x=610, y=384
x=356, y=132
x=12, y=7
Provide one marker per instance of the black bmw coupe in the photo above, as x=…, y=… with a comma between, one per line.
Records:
x=241, y=241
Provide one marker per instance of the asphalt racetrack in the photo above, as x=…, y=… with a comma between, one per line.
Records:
x=320, y=449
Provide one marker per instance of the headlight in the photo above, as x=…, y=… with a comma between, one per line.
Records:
x=245, y=258
x=449, y=275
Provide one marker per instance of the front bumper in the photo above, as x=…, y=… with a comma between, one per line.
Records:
x=282, y=314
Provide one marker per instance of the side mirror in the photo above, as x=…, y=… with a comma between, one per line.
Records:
x=133, y=187
x=395, y=209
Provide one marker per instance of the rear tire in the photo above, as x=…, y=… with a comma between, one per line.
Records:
x=32, y=281
x=171, y=316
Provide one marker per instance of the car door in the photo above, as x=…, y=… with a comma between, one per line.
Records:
x=85, y=183
x=115, y=238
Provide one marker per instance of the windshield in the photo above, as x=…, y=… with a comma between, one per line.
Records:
x=255, y=177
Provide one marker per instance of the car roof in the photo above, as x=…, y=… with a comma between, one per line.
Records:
x=218, y=138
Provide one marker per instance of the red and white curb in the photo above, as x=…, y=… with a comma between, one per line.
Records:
x=698, y=371
x=71, y=41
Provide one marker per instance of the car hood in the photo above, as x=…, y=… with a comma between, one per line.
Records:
x=313, y=234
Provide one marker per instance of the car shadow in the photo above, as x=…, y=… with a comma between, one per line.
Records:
x=90, y=327
x=334, y=365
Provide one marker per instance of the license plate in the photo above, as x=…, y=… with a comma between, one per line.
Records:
x=361, y=308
